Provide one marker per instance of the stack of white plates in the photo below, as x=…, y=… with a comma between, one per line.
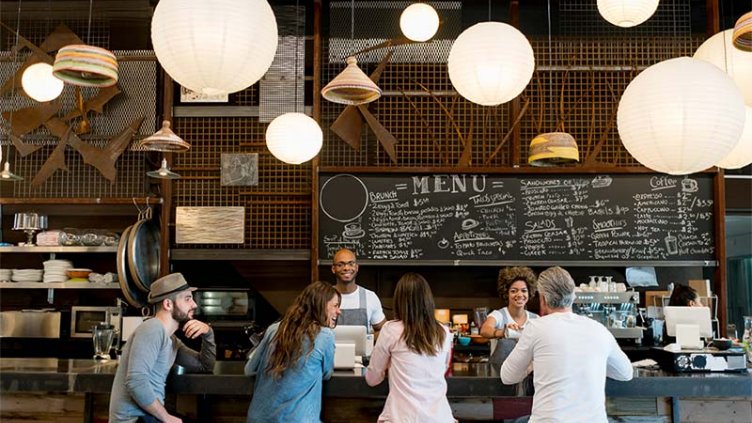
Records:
x=27, y=275
x=54, y=270
x=5, y=275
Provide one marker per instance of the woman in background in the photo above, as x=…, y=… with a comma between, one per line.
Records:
x=294, y=358
x=515, y=286
x=416, y=350
x=685, y=296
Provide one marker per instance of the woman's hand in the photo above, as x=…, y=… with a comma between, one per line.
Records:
x=513, y=326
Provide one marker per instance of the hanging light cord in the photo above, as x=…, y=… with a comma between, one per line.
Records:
x=352, y=25
x=297, y=43
x=550, y=58
x=13, y=84
x=88, y=31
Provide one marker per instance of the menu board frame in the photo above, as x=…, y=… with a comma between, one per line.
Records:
x=463, y=183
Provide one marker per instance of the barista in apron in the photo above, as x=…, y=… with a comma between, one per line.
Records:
x=356, y=316
x=515, y=286
x=359, y=306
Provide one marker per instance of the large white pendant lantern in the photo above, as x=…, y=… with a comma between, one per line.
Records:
x=419, y=22
x=214, y=47
x=39, y=83
x=294, y=138
x=719, y=50
x=627, y=13
x=680, y=116
x=490, y=63
x=741, y=155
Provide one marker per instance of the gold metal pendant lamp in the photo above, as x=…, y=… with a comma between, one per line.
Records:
x=164, y=140
x=85, y=65
x=552, y=148
x=351, y=86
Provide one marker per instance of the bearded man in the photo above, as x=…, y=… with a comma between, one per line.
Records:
x=138, y=391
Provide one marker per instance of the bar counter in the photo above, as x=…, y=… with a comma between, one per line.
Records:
x=67, y=376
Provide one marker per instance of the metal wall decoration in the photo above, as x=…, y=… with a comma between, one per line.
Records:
x=27, y=119
x=209, y=225
x=239, y=169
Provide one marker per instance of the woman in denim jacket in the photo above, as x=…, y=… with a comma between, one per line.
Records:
x=294, y=358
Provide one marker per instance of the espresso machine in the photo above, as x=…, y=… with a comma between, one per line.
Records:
x=617, y=311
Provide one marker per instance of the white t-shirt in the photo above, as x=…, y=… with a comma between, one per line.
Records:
x=373, y=304
x=572, y=355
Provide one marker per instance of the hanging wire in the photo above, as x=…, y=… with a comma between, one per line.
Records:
x=13, y=84
x=352, y=25
x=297, y=44
x=489, y=10
x=88, y=31
x=550, y=57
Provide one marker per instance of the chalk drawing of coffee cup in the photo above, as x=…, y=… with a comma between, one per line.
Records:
x=443, y=244
x=601, y=181
x=468, y=224
x=672, y=244
x=689, y=185
x=353, y=231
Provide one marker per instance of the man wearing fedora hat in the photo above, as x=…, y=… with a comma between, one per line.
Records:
x=138, y=390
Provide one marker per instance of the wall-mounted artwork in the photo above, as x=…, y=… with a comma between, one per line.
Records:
x=210, y=225
x=189, y=96
x=239, y=169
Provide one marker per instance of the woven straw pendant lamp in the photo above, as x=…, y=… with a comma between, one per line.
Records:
x=351, y=86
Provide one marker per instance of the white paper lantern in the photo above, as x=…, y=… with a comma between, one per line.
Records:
x=741, y=155
x=720, y=51
x=214, y=47
x=419, y=22
x=490, y=63
x=39, y=83
x=294, y=138
x=627, y=13
x=680, y=116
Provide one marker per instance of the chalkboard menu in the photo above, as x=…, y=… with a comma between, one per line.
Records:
x=539, y=218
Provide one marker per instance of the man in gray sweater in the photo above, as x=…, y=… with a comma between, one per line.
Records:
x=138, y=391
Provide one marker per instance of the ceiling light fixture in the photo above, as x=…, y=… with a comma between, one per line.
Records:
x=163, y=172
x=294, y=138
x=6, y=175
x=352, y=86
x=627, y=13
x=40, y=84
x=680, y=116
x=490, y=63
x=85, y=65
x=743, y=32
x=419, y=22
x=214, y=47
x=164, y=140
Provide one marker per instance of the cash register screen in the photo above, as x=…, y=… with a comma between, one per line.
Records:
x=699, y=316
x=352, y=335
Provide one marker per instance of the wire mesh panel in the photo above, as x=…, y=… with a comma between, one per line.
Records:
x=578, y=82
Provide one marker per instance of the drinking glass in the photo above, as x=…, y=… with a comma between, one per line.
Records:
x=102, y=336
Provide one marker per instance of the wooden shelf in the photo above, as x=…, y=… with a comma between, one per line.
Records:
x=84, y=201
x=58, y=285
x=58, y=249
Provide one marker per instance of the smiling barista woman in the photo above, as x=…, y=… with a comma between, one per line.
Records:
x=360, y=306
x=515, y=286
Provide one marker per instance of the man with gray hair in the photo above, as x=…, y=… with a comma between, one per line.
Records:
x=572, y=355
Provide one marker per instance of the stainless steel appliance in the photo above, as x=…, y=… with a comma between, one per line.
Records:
x=84, y=318
x=44, y=323
x=617, y=311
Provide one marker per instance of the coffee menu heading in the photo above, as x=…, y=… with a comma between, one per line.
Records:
x=556, y=218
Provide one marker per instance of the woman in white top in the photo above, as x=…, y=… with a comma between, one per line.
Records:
x=416, y=350
x=515, y=286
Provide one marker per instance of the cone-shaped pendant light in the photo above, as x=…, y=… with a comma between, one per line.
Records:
x=164, y=140
x=351, y=86
x=163, y=172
